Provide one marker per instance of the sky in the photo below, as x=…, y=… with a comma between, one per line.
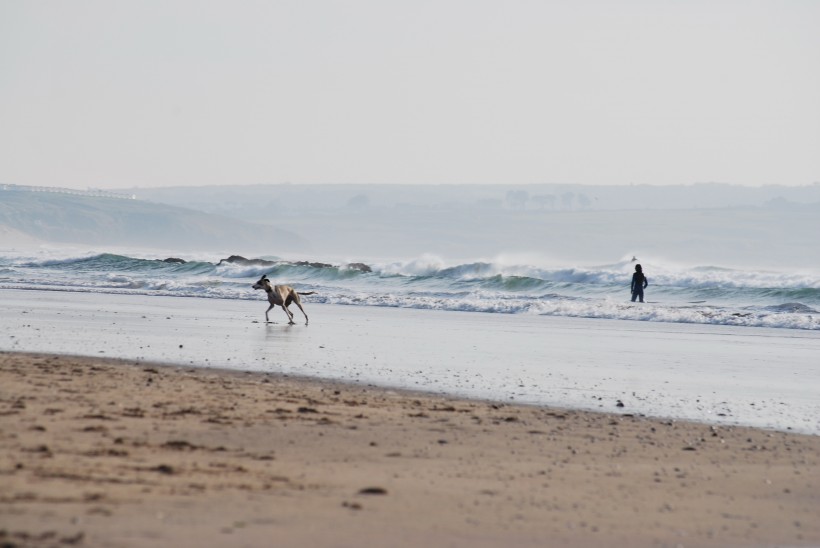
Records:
x=119, y=94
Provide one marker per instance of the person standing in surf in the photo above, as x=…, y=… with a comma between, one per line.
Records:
x=639, y=283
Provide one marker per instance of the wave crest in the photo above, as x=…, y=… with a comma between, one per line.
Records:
x=705, y=294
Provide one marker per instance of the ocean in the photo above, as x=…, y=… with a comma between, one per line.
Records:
x=700, y=294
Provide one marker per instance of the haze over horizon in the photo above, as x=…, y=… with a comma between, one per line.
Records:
x=184, y=93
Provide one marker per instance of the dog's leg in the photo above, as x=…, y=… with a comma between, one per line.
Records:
x=293, y=297
x=286, y=308
x=266, y=313
x=303, y=312
x=299, y=304
x=289, y=314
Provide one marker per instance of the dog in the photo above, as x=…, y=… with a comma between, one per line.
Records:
x=281, y=295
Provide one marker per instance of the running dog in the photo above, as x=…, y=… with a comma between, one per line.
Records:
x=281, y=295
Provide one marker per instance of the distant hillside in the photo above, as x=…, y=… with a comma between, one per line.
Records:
x=708, y=224
x=259, y=202
x=70, y=219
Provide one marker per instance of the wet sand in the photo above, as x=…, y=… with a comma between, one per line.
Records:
x=97, y=452
x=718, y=374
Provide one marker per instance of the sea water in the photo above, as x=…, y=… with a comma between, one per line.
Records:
x=692, y=294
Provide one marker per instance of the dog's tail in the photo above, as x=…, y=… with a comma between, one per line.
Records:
x=308, y=293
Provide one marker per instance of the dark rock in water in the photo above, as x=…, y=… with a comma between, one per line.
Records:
x=234, y=259
x=313, y=265
x=238, y=259
x=619, y=404
x=174, y=260
x=359, y=266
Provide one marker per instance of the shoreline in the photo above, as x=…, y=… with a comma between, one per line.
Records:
x=103, y=452
x=716, y=374
x=352, y=384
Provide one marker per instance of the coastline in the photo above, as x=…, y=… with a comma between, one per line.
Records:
x=719, y=375
x=103, y=452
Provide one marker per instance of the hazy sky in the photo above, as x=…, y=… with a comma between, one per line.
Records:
x=151, y=93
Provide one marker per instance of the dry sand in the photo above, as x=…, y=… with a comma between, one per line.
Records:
x=111, y=453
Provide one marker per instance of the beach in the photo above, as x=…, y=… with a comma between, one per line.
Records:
x=132, y=421
x=717, y=374
x=98, y=452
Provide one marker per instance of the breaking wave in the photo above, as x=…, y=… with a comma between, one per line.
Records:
x=703, y=294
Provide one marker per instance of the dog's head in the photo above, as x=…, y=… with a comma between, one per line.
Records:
x=263, y=283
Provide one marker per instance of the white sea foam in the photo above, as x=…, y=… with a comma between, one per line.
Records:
x=679, y=294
